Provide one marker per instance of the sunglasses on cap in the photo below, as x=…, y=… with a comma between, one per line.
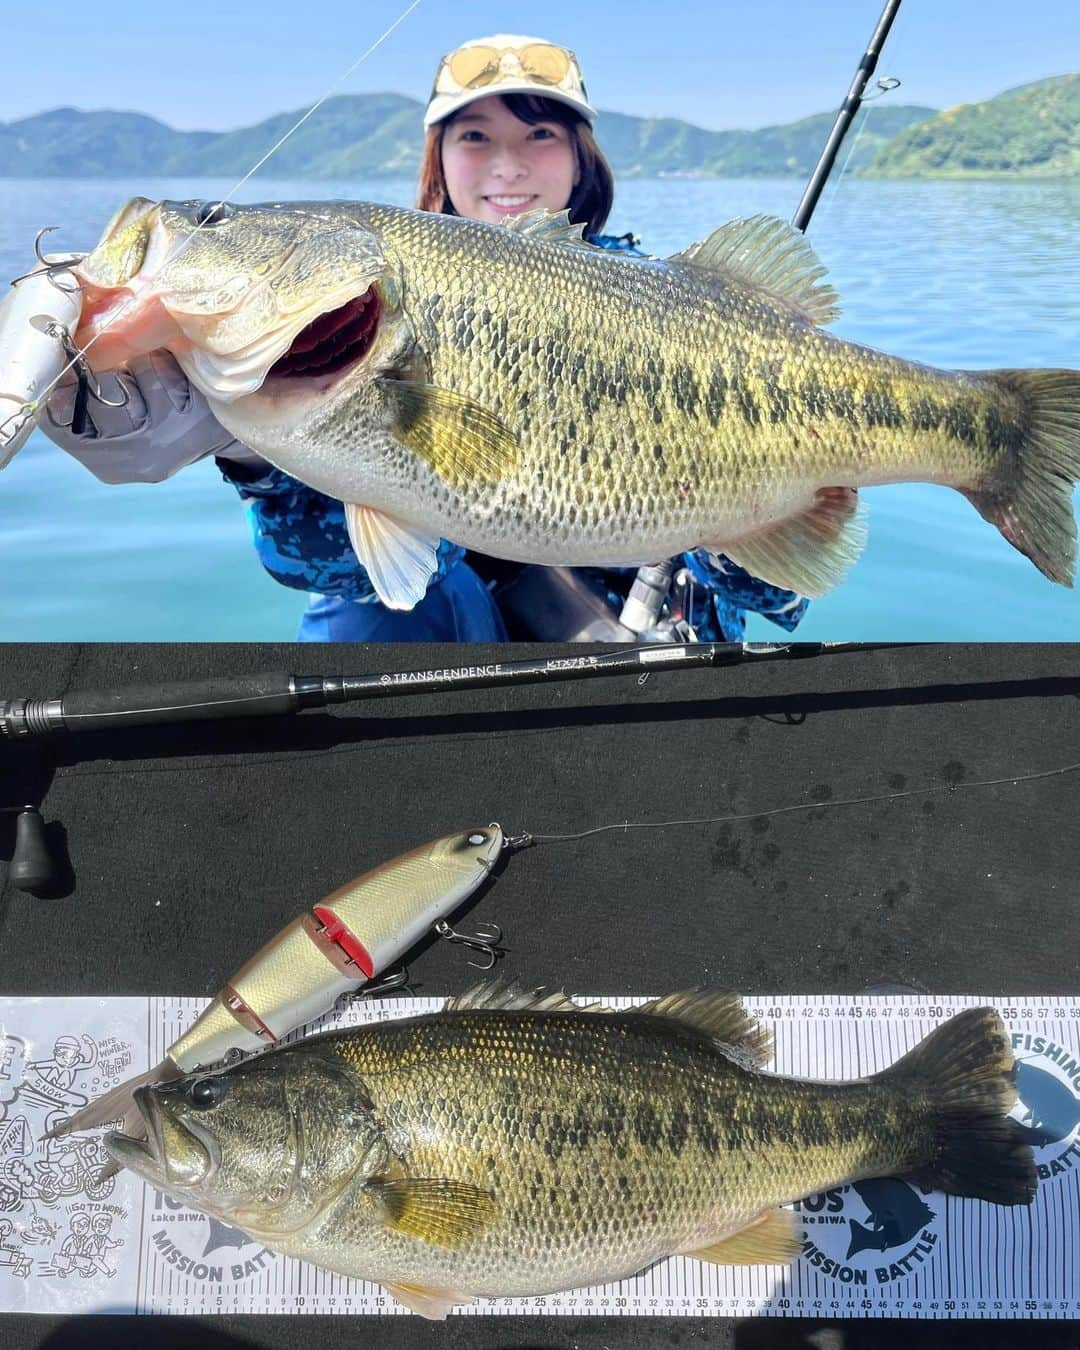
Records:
x=477, y=67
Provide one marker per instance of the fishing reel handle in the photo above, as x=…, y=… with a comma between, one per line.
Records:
x=33, y=868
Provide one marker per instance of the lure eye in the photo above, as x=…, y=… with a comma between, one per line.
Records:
x=212, y=213
x=206, y=1092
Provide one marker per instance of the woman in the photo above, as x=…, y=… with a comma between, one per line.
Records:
x=508, y=130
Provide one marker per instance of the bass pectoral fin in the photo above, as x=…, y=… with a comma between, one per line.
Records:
x=427, y=1300
x=399, y=560
x=433, y=1209
x=772, y=1239
x=459, y=439
x=808, y=553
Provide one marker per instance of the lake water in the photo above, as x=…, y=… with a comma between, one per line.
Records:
x=960, y=275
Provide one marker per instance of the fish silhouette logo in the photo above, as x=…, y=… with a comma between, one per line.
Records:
x=1050, y=1110
x=223, y=1235
x=896, y=1215
x=870, y=1233
x=1047, y=1110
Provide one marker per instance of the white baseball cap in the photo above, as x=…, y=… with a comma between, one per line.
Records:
x=506, y=64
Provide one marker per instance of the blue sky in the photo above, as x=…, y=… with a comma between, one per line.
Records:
x=717, y=63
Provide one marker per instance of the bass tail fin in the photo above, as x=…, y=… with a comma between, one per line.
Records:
x=1030, y=498
x=965, y=1073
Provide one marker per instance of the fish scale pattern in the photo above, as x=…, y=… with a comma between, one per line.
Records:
x=535, y=398
x=657, y=400
x=607, y=1141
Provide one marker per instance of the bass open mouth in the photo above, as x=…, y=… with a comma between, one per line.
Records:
x=333, y=341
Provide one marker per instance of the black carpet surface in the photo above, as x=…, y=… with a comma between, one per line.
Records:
x=959, y=877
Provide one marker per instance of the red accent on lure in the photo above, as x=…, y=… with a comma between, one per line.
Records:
x=245, y=1014
x=349, y=943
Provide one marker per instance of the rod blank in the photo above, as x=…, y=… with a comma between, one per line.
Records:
x=276, y=693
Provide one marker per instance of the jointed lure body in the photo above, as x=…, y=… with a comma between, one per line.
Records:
x=348, y=939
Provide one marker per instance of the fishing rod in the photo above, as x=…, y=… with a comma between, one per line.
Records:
x=852, y=103
x=277, y=693
x=36, y=869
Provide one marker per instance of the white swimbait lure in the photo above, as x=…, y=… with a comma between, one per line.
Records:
x=343, y=942
x=37, y=317
x=32, y=353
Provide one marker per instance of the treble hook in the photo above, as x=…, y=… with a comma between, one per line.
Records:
x=397, y=978
x=486, y=940
x=87, y=381
x=52, y=266
x=47, y=229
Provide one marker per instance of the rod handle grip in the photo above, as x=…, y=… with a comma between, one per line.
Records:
x=180, y=701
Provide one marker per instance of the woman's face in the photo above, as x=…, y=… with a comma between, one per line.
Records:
x=496, y=166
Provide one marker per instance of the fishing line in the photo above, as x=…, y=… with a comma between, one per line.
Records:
x=828, y=205
x=30, y=409
x=849, y=110
x=318, y=104
x=804, y=806
x=884, y=85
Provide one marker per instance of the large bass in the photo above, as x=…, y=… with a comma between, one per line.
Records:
x=534, y=398
x=517, y=1144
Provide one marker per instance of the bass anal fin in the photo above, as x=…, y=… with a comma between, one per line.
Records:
x=809, y=552
x=770, y=1239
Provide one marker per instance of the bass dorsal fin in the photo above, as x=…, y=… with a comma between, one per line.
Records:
x=501, y=993
x=549, y=227
x=721, y=1016
x=767, y=252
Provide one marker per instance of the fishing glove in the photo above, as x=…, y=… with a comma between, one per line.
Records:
x=165, y=424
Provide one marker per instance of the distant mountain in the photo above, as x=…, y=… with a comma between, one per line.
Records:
x=1033, y=131
x=377, y=135
x=351, y=135
x=69, y=143
x=658, y=147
